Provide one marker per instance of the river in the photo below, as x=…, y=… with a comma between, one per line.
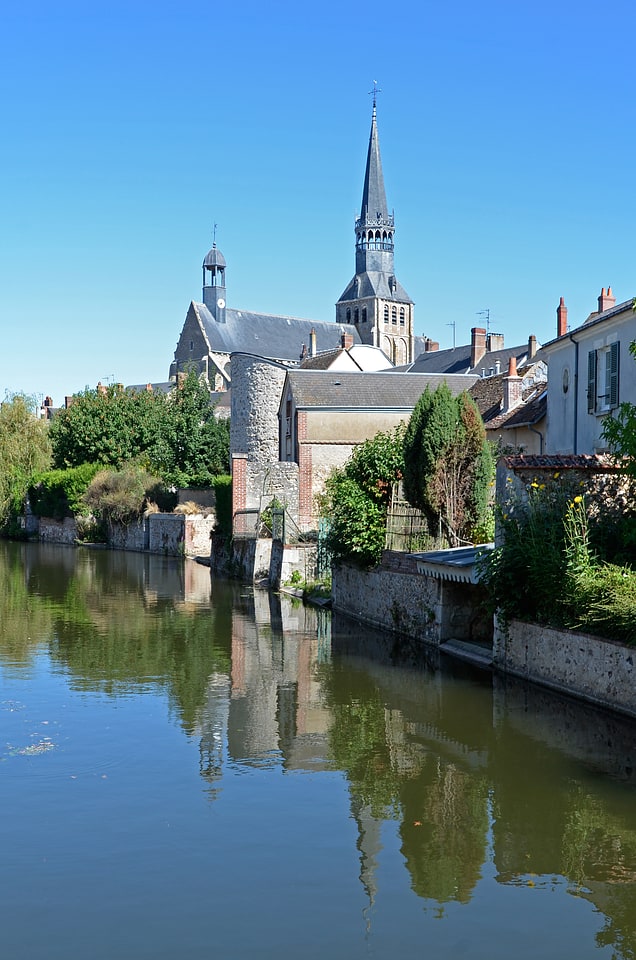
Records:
x=191, y=769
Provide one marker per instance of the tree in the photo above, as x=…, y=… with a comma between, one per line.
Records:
x=447, y=463
x=175, y=435
x=357, y=496
x=25, y=449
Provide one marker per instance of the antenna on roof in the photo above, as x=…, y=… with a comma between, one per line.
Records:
x=452, y=324
x=485, y=313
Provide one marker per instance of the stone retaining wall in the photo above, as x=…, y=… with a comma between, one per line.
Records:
x=597, y=670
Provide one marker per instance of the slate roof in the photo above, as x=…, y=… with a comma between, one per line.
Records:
x=322, y=361
x=457, y=360
x=266, y=335
x=367, y=391
x=374, y=283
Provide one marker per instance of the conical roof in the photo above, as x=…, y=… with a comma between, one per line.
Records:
x=374, y=205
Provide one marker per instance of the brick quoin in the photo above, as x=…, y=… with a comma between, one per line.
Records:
x=305, y=497
x=239, y=482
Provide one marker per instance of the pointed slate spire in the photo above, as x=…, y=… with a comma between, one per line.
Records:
x=374, y=207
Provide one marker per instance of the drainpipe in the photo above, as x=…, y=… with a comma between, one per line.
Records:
x=540, y=436
x=576, y=393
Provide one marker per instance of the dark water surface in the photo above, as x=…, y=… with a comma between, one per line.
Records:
x=191, y=770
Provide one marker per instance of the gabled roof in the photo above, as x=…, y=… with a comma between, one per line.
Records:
x=457, y=360
x=593, y=321
x=525, y=414
x=366, y=391
x=265, y=335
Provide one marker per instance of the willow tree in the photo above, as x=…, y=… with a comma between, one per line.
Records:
x=25, y=449
x=447, y=463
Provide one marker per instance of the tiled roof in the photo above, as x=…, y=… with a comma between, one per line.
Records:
x=524, y=414
x=569, y=461
x=376, y=390
x=322, y=361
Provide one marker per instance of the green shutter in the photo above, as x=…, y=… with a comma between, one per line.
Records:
x=591, y=381
x=613, y=378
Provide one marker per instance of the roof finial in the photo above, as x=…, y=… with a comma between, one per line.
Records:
x=374, y=93
x=214, y=236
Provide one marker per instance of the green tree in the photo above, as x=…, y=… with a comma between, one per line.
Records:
x=25, y=449
x=357, y=496
x=175, y=435
x=448, y=465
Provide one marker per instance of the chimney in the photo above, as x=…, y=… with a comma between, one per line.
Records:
x=430, y=345
x=101, y=388
x=511, y=387
x=477, y=345
x=606, y=300
x=313, y=350
x=562, y=318
x=532, y=347
x=495, y=341
x=346, y=341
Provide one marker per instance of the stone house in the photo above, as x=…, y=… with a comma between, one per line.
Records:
x=513, y=406
x=591, y=372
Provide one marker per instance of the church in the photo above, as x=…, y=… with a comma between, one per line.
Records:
x=374, y=309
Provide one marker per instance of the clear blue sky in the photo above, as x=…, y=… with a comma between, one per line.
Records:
x=129, y=128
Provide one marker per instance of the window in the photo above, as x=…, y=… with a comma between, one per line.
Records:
x=386, y=313
x=602, y=378
x=364, y=314
x=356, y=315
x=393, y=314
x=401, y=316
x=348, y=314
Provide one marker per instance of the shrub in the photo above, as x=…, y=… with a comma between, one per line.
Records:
x=59, y=493
x=222, y=486
x=121, y=496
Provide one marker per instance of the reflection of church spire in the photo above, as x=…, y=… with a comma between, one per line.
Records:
x=213, y=724
x=369, y=846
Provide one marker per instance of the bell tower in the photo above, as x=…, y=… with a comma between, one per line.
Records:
x=374, y=301
x=214, y=294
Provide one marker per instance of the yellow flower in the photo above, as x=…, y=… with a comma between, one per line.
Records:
x=534, y=484
x=556, y=475
x=542, y=486
x=578, y=499
x=508, y=479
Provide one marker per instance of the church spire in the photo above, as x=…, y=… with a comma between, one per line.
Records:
x=374, y=207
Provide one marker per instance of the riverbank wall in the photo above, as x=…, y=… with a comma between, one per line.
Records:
x=168, y=534
x=403, y=597
x=591, y=668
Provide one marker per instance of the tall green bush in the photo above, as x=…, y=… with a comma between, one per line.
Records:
x=59, y=493
x=448, y=465
x=25, y=449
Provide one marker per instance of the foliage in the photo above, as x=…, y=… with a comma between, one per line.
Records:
x=544, y=568
x=176, y=434
x=448, y=465
x=222, y=486
x=59, y=493
x=121, y=496
x=619, y=430
x=356, y=499
x=25, y=449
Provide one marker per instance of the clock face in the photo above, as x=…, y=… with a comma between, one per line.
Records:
x=221, y=302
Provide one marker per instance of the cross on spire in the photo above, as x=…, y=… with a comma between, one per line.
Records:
x=374, y=93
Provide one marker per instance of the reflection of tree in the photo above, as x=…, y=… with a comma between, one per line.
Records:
x=599, y=856
x=25, y=620
x=102, y=627
x=444, y=830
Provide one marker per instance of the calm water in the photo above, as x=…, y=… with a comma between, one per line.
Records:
x=190, y=770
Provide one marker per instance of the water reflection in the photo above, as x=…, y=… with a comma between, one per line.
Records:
x=487, y=781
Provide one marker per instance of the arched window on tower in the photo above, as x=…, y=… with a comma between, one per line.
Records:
x=364, y=314
x=386, y=313
x=348, y=314
x=401, y=316
x=356, y=315
x=393, y=314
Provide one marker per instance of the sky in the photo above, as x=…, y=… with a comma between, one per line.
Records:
x=129, y=129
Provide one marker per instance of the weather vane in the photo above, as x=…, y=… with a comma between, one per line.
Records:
x=214, y=236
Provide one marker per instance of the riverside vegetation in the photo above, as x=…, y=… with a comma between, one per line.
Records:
x=109, y=456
